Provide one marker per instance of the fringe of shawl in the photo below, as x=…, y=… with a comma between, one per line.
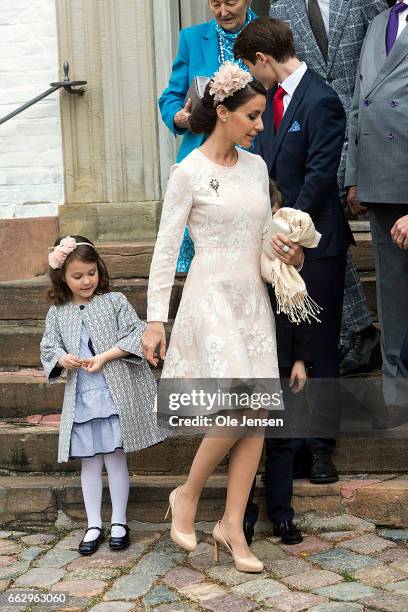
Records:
x=299, y=307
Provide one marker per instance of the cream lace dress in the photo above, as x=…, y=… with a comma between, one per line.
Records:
x=224, y=327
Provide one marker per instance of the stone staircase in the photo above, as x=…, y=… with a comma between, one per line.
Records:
x=34, y=487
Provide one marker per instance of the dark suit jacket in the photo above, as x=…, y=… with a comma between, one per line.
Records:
x=303, y=158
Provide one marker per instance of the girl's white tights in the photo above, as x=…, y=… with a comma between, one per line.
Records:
x=91, y=481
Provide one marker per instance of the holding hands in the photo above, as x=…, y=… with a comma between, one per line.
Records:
x=70, y=362
x=153, y=338
x=95, y=364
x=91, y=364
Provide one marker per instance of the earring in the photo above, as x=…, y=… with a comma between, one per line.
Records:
x=225, y=120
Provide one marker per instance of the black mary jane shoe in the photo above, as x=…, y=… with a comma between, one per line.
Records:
x=122, y=542
x=89, y=548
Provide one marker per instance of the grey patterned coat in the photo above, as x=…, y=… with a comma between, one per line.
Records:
x=348, y=23
x=111, y=322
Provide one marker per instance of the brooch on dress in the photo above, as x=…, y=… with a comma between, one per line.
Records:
x=214, y=184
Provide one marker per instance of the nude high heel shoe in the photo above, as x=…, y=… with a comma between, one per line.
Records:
x=252, y=566
x=188, y=541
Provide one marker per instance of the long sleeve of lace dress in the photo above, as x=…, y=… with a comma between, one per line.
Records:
x=176, y=209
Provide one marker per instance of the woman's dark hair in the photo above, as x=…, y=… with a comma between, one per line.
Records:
x=204, y=116
x=265, y=35
x=60, y=292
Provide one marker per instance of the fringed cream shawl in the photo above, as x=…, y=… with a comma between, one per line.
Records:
x=290, y=289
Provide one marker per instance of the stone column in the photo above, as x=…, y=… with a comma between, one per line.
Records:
x=110, y=143
x=193, y=12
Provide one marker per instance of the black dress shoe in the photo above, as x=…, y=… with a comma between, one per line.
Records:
x=323, y=470
x=249, y=531
x=121, y=542
x=364, y=354
x=89, y=548
x=288, y=532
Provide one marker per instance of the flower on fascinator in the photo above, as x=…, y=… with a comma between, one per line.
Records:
x=58, y=256
x=229, y=79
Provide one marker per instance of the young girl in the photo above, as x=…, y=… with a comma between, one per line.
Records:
x=108, y=408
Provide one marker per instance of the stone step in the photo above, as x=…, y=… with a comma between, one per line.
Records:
x=133, y=259
x=20, y=344
x=36, y=500
x=25, y=447
x=127, y=259
x=27, y=300
x=362, y=252
x=27, y=392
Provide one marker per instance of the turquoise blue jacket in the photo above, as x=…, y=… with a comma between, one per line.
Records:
x=198, y=55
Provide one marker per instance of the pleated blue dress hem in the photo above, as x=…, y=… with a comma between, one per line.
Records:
x=96, y=428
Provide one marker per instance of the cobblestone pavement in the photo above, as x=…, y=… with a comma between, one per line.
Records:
x=343, y=565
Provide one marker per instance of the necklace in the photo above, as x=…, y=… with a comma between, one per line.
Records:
x=211, y=158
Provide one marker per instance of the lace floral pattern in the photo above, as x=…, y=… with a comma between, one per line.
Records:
x=224, y=325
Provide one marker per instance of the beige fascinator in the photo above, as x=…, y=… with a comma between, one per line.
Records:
x=229, y=79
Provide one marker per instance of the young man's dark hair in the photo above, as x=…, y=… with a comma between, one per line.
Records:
x=265, y=35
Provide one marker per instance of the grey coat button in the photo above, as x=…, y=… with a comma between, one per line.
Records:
x=393, y=103
x=390, y=136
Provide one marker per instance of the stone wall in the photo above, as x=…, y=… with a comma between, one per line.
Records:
x=31, y=167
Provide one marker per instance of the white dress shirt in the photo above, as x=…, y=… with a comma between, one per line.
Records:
x=402, y=19
x=290, y=84
x=325, y=10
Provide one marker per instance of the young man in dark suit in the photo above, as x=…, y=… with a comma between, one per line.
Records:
x=302, y=143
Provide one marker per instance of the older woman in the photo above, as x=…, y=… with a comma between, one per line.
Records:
x=202, y=49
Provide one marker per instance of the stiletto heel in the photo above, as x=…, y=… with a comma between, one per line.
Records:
x=252, y=566
x=188, y=541
x=216, y=551
x=166, y=516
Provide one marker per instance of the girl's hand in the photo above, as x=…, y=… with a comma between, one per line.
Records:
x=95, y=364
x=154, y=337
x=70, y=362
x=298, y=377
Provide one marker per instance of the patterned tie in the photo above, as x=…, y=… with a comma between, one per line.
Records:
x=393, y=25
x=278, y=107
x=318, y=27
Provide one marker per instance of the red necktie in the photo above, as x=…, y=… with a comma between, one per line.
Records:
x=278, y=107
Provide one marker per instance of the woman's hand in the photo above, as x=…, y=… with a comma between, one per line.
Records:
x=70, y=362
x=182, y=118
x=287, y=251
x=298, y=377
x=94, y=364
x=154, y=337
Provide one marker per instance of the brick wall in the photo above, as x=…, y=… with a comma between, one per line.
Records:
x=31, y=168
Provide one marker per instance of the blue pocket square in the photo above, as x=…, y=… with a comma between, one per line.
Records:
x=295, y=127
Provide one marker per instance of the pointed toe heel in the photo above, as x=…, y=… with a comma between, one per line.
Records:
x=251, y=566
x=188, y=541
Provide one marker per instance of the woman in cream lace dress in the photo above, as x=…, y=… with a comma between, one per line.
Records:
x=224, y=326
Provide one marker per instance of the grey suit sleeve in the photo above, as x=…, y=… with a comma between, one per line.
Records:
x=130, y=329
x=352, y=151
x=52, y=347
